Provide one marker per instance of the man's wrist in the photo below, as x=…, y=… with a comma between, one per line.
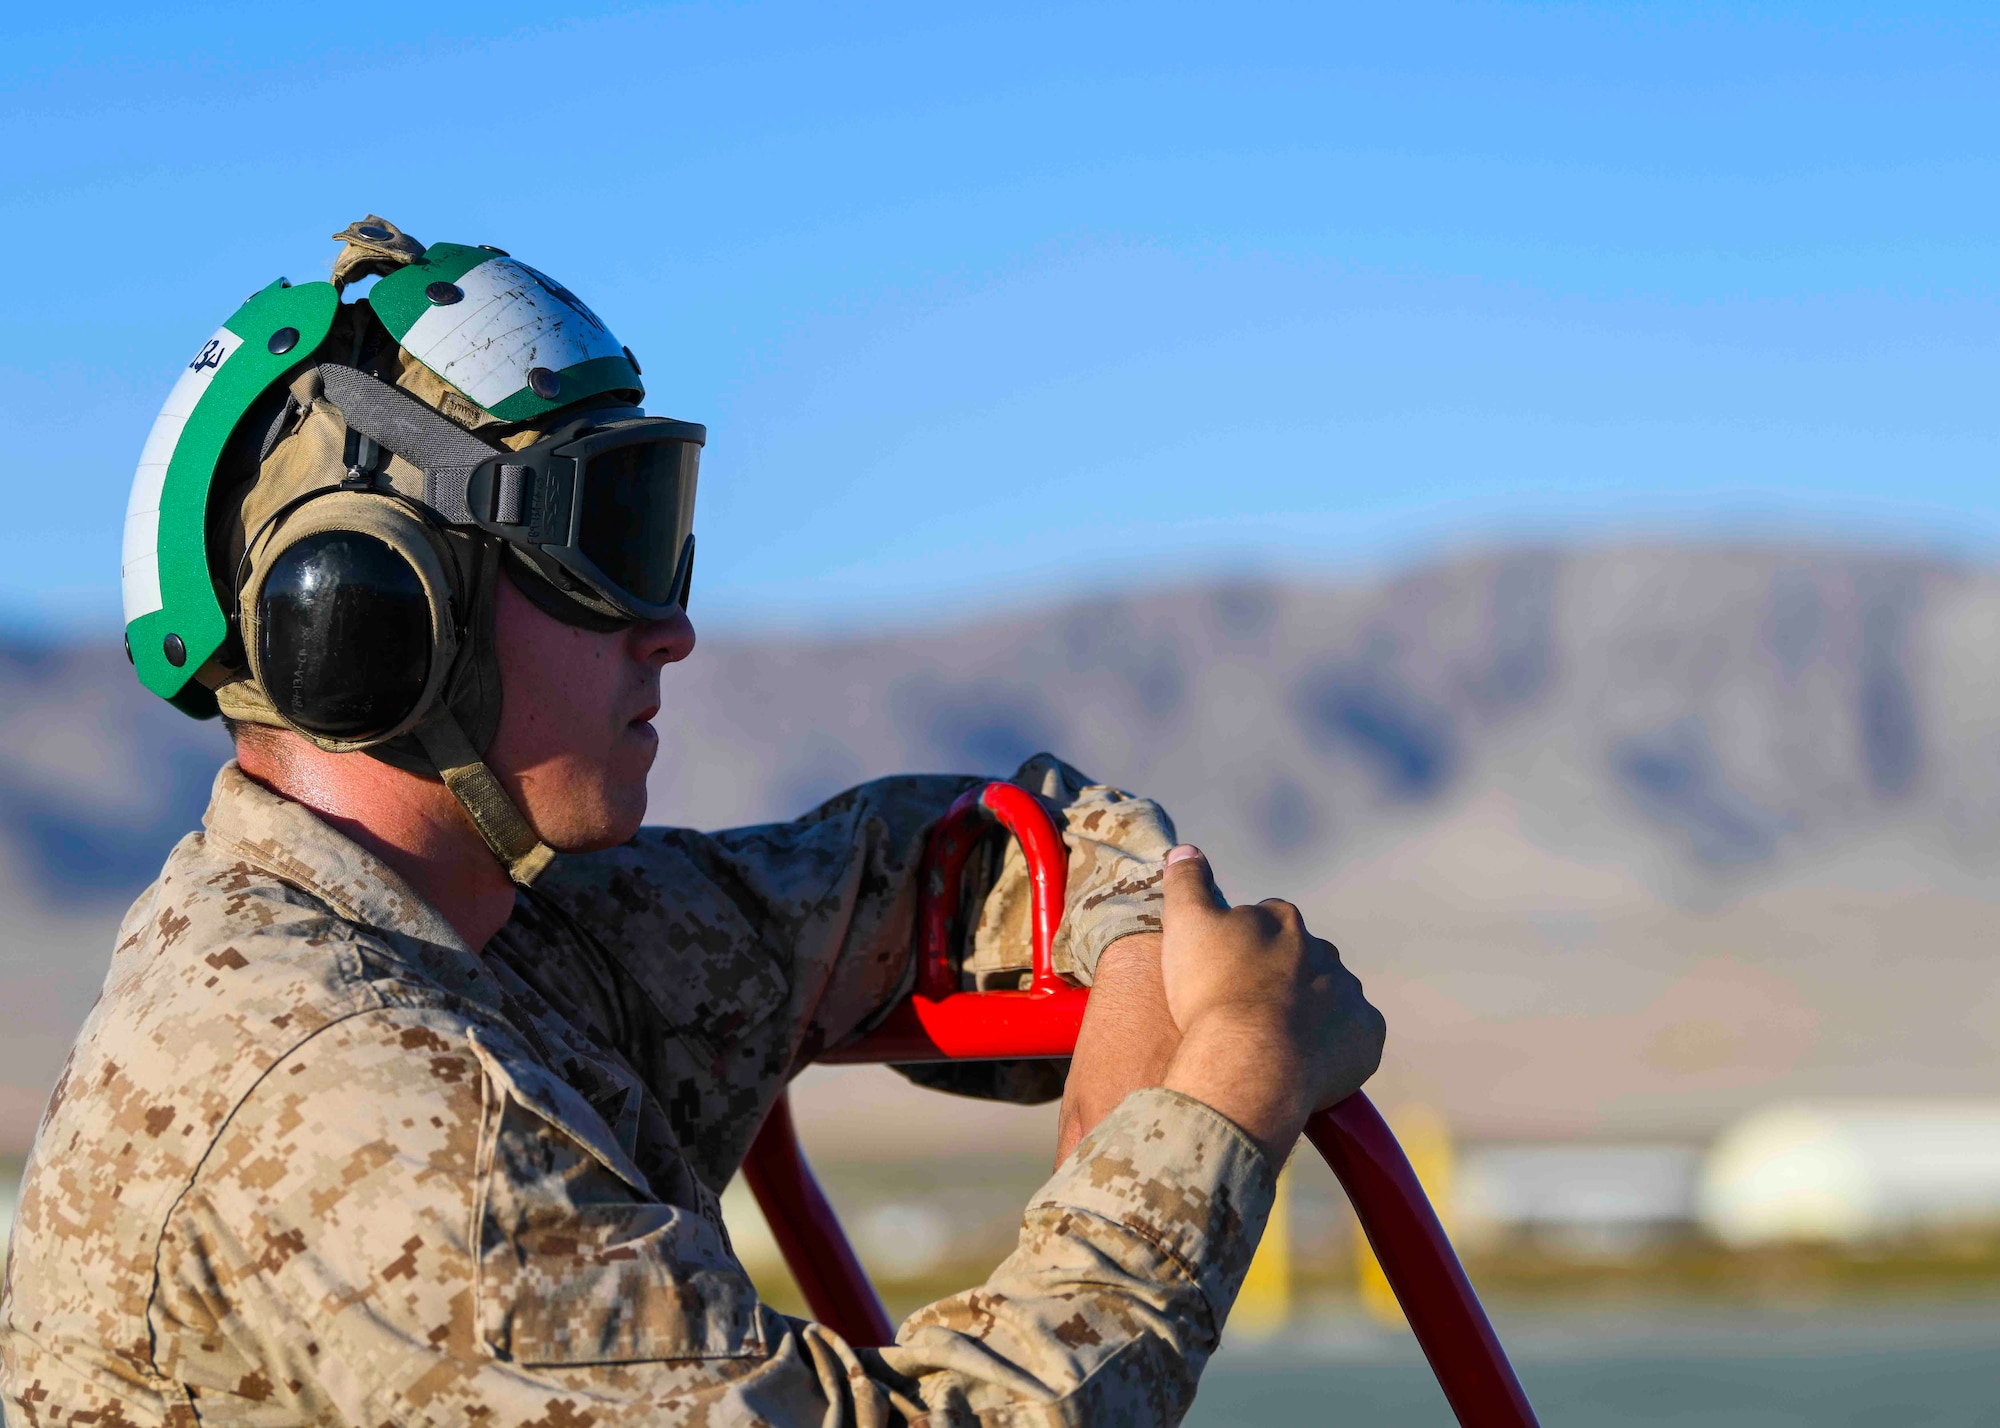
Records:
x=1246, y=1074
x=1126, y=1040
x=1131, y=945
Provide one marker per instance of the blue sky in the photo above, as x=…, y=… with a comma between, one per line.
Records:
x=980, y=304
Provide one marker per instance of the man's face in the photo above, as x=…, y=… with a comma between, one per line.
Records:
x=576, y=737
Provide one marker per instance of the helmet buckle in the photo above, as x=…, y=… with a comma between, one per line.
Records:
x=363, y=456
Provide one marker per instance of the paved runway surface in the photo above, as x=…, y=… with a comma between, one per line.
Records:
x=1849, y=1368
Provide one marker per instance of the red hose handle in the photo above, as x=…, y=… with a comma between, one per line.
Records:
x=951, y=843
x=941, y=1023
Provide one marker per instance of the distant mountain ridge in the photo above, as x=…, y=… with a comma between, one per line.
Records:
x=1737, y=704
x=1532, y=791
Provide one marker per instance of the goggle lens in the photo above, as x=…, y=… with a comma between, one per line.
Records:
x=636, y=514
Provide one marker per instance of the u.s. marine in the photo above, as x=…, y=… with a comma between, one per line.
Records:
x=418, y=1070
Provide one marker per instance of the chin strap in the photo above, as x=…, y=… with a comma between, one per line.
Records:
x=506, y=831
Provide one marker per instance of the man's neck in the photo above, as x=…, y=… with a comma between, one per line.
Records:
x=411, y=823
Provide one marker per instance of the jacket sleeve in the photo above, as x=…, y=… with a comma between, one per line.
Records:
x=753, y=949
x=409, y=1221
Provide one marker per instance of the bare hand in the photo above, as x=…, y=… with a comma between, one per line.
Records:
x=1273, y=1027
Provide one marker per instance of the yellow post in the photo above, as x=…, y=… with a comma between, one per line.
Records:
x=1426, y=1140
x=1265, y=1303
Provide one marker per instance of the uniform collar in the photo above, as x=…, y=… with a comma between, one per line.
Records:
x=289, y=842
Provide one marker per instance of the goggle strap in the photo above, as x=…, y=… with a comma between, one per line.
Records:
x=444, y=451
x=499, y=821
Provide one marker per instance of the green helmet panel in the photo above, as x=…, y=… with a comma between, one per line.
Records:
x=173, y=621
x=514, y=340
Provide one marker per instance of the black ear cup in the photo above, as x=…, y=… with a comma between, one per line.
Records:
x=343, y=635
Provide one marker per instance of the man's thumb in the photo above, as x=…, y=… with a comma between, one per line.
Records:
x=1188, y=883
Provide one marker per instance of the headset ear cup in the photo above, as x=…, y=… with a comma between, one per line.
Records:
x=344, y=635
x=347, y=621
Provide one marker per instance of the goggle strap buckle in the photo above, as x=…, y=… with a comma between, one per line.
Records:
x=444, y=451
x=511, y=498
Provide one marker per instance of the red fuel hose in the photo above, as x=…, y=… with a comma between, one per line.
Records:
x=1445, y=1314
x=809, y=1234
x=941, y=1023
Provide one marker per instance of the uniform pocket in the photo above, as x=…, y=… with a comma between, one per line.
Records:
x=578, y=1261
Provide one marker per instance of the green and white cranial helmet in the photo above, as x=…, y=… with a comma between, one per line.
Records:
x=173, y=620
x=514, y=340
x=512, y=343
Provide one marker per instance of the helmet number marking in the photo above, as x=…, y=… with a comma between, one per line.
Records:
x=211, y=355
x=139, y=566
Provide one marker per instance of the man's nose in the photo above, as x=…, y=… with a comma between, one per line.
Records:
x=665, y=641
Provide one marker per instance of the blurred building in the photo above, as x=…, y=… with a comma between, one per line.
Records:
x=1846, y=1171
x=1578, y=1196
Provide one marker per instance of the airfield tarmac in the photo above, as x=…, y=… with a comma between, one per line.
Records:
x=1910, y=1365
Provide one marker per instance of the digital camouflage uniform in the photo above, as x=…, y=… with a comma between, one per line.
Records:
x=314, y=1160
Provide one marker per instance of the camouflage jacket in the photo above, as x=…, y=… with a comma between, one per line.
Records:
x=314, y=1160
